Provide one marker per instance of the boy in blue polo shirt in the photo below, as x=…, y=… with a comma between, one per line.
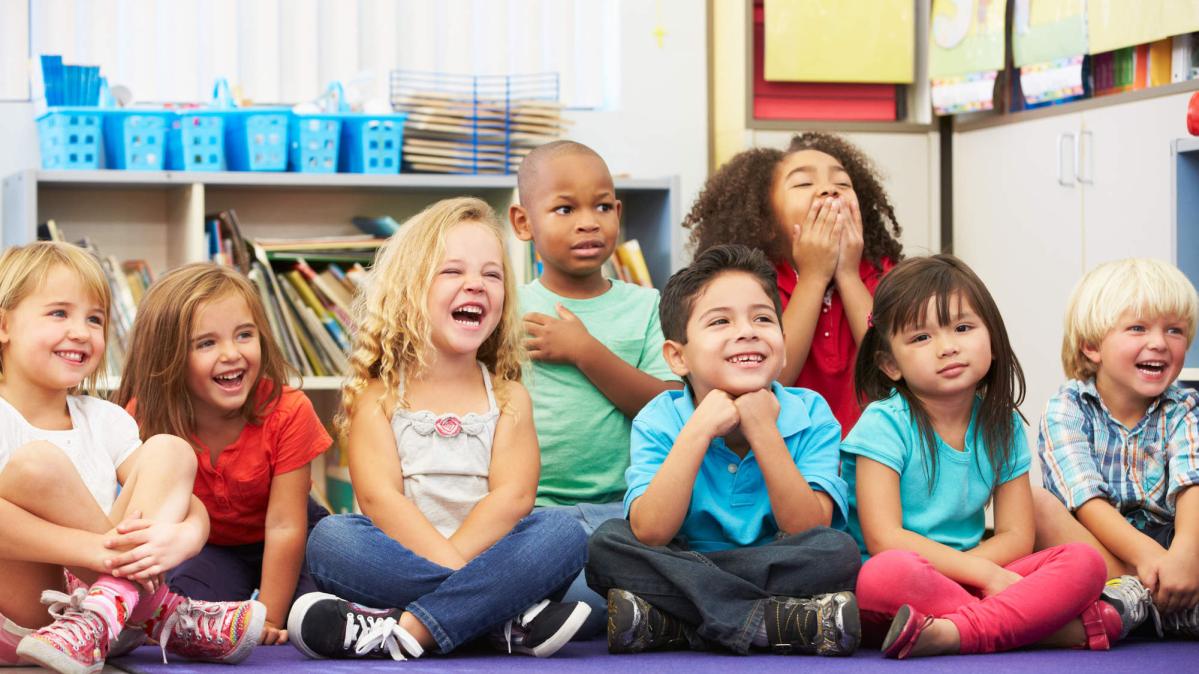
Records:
x=732, y=487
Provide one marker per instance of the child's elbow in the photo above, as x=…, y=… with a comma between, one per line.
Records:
x=876, y=542
x=648, y=534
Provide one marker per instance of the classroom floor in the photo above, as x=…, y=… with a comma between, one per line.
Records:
x=591, y=656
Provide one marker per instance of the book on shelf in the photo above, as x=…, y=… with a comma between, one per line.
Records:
x=631, y=264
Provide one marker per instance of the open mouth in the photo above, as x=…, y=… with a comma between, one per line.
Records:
x=230, y=381
x=1152, y=367
x=75, y=357
x=746, y=359
x=468, y=315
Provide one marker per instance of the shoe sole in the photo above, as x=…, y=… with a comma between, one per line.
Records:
x=564, y=634
x=42, y=654
x=898, y=625
x=852, y=623
x=615, y=598
x=250, y=639
x=295, y=620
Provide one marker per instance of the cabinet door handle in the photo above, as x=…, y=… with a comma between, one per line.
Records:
x=1085, y=157
x=1065, y=178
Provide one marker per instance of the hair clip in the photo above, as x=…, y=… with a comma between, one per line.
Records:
x=870, y=320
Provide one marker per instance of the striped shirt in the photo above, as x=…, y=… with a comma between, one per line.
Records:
x=1086, y=453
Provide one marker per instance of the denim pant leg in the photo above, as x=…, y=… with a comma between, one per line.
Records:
x=352, y=558
x=537, y=558
x=590, y=515
x=722, y=594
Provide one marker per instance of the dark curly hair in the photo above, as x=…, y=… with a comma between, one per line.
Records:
x=735, y=205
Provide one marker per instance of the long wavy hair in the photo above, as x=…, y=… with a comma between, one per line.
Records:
x=392, y=313
x=155, y=372
x=900, y=301
x=735, y=205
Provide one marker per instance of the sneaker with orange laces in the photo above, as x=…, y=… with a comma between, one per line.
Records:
x=212, y=631
x=75, y=643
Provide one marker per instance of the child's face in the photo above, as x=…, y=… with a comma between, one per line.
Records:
x=54, y=338
x=734, y=339
x=1141, y=356
x=574, y=217
x=942, y=361
x=801, y=178
x=224, y=355
x=466, y=297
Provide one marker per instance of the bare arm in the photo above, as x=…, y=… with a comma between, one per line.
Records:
x=1122, y=539
x=512, y=481
x=286, y=536
x=1015, y=528
x=799, y=323
x=25, y=537
x=858, y=303
x=379, y=483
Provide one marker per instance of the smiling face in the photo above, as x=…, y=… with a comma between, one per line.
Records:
x=802, y=177
x=54, y=338
x=734, y=339
x=1138, y=359
x=466, y=297
x=224, y=356
x=938, y=361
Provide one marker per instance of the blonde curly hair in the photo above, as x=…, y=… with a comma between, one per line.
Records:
x=392, y=314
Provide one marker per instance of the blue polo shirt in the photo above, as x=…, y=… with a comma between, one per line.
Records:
x=730, y=507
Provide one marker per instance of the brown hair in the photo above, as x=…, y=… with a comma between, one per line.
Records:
x=678, y=297
x=900, y=301
x=156, y=368
x=735, y=205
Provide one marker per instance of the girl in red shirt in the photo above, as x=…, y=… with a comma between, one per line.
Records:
x=820, y=212
x=203, y=365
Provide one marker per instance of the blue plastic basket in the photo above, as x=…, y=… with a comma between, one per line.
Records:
x=196, y=141
x=371, y=143
x=136, y=138
x=71, y=138
x=256, y=139
x=314, y=142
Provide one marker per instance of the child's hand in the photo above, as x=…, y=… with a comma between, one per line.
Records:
x=151, y=548
x=716, y=415
x=556, y=340
x=759, y=413
x=1177, y=580
x=273, y=635
x=815, y=245
x=1148, y=571
x=852, y=239
x=1000, y=580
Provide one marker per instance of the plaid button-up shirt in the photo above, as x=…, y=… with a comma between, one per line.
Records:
x=1086, y=454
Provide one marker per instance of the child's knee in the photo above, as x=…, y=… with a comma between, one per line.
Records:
x=36, y=465
x=882, y=573
x=1046, y=505
x=607, y=537
x=1085, y=563
x=560, y=527
x=172, y=451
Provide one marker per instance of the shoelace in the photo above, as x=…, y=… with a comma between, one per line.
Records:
x=798, y=612
x=1186, y=621
x=204, y=620
x=523, y=620
x=367, y=633
x=74, y=624
x=1136, y=600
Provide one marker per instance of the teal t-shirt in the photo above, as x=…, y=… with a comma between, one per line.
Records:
x=953, y=512
x=584, y=438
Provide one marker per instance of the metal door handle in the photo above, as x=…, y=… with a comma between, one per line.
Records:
x=1065, y=178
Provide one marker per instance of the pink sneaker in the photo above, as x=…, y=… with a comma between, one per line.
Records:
x=213, y=631
x=75, y=643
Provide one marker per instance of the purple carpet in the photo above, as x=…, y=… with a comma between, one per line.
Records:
x=592, y=656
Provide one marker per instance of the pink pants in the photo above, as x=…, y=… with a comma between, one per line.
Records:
x=1059, y=584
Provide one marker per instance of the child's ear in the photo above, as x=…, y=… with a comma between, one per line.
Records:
x=519, y=218
x=886, y=363
x=619, y=209
x=3, y=327
x=672, y=351
x=1091, y=352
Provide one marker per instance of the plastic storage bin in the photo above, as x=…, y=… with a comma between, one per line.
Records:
x=136, y=138
x=256, y=138
x=314, y=141
x=371, y=143
x=71, y=138
x=196, y=141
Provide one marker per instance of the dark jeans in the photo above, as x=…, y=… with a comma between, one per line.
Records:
x=352, y=558
x=722, y=594
x=233, y=572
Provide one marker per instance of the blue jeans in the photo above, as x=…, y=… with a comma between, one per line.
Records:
x=352, y=558
x=590, y=515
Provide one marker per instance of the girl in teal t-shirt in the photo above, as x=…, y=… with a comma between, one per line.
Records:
x=941, y=439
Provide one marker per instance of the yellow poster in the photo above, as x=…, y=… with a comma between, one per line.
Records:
x=967, y=37
x=840, y=40
x=1113, y=24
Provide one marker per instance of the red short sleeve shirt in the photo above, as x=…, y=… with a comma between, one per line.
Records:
x=829, y=368
x=237, y=489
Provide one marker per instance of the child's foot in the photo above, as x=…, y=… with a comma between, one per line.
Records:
x=1132, y=601
x=826, y=624
x=635, y=626
x=211, y=631
x=322, y=625
x=544, y=627
x=75, y=643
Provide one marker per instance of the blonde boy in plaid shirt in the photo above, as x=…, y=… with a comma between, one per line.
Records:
x=1119, y=442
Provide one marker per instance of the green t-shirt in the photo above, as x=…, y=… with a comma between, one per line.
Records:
x=584, y=438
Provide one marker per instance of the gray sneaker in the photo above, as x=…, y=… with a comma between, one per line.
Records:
x=827, y=624
x=635, y=626
x=1132, y=600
